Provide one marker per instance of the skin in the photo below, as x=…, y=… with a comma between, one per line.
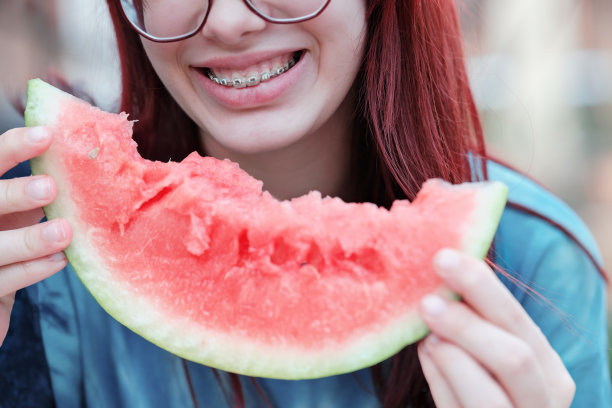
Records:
x=483, y=351
x=30, y=251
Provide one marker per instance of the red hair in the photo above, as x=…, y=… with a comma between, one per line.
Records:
x=416, y=120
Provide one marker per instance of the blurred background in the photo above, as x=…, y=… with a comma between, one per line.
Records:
x=541, y=73
x=71, y=37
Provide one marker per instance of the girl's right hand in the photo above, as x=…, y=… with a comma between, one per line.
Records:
x=29, y=251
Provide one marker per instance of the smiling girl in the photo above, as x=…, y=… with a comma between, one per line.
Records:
x=359, y=99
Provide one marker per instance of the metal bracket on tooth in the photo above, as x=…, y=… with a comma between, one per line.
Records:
x=239, y=83
x=252, y=80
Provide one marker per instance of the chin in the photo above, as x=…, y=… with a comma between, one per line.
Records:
x=256, y=140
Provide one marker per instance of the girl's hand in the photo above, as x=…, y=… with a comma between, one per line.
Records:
x=29, y=251
x=485, y=351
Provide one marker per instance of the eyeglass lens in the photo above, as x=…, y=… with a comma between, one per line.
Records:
x=173, y=18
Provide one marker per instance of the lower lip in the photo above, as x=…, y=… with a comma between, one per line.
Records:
x=249, y=97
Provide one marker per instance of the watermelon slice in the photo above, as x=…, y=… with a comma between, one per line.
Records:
x=196, y=258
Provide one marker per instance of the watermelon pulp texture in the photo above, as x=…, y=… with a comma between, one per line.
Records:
x=195, y=257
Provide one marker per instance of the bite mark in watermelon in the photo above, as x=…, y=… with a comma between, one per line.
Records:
x=196, y=258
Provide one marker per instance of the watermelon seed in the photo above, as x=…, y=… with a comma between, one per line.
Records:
x=93, y=153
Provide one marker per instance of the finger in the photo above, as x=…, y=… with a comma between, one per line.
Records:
x=472, y=385
x=507, y=357
x=20, y=275
x=26, y=193
x=479, y=287
x=441, y=391
x=19, y=144
x=34, y=241
x=21, y=219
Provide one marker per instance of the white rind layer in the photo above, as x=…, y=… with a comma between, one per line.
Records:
x=226, y=351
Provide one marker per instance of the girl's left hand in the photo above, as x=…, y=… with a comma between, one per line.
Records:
x=485, y=351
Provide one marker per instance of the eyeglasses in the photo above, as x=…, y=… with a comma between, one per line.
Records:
x=174, y=20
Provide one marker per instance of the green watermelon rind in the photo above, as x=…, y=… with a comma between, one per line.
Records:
x=478, y=240
x=223, y=351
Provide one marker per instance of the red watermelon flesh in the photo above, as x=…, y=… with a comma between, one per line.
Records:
x=196, y=258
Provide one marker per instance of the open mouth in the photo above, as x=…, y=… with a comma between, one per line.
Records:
x=254, y=75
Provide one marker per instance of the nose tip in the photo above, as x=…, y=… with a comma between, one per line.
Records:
x=229, y=21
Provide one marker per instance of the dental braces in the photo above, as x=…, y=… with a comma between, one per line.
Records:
x=253, y=79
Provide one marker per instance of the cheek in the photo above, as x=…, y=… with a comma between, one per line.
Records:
x=343, y=42
x=342, y=58
x=159, y=54
x=165, y=61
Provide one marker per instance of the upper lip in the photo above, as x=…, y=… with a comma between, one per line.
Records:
x=242, y=61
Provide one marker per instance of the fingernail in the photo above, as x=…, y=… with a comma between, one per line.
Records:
x=432, y=340
x=433, y=305
x=447, y=259
x=39, y=189
x=429, y=342
x=36, y=134
x=58, y=257
x=54, y=232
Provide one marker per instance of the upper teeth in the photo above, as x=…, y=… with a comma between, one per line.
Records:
x=253, y=78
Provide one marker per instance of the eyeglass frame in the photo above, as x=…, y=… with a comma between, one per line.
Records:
x=190, y=34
